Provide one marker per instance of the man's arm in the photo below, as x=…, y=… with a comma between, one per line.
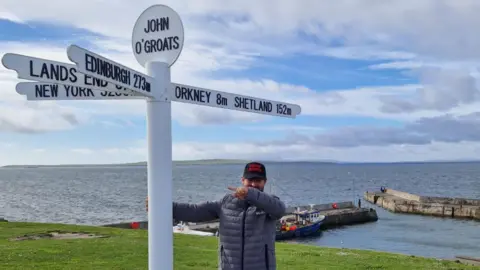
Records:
x=205, y=211
x=271, y=204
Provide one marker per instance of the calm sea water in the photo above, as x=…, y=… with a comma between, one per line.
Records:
x=116, y=194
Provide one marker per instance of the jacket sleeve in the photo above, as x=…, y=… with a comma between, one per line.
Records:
x=205, y=211
x=271, y=204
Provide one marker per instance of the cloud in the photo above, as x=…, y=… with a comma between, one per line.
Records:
x=366, y=53
x=432, y=41
x=185, y=113
x=6, y=145
x=252, y=151
x=378, y=101
x=425, y=131
x=36, y=118
x=311, y=152
x=348, y=102
x=441, y=90
x=294, y=128
x=398, y=65
x=84, y=151
x=420, y=27
x=9, y=16
x=440, y=138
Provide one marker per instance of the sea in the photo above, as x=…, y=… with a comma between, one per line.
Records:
x=99, y=195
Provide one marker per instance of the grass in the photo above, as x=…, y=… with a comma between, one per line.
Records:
x=128, y=249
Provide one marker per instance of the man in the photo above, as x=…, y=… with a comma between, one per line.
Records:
x=247, y=221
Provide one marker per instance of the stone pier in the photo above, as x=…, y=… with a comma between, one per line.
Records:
x=403, y=202
x=340, y=213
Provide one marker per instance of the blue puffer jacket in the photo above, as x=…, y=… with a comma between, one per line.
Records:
x=247, y=228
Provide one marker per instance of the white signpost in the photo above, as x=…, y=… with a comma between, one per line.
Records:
x=157, y=42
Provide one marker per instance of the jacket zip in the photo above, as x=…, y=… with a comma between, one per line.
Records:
x=222, y=262
x=243, y=233
x=266, y=257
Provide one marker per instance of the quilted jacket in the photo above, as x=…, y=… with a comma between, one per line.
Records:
x=246, y=231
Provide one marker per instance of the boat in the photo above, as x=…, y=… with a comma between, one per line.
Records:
x=299, y=224
x=185, y=229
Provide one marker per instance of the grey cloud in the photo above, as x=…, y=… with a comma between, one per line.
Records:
x=70, y=118
x=10, y=125
x=442, y=90
x=433, y=27
x=368, y=136
x=214, y=116
x=330, y=98
x=40, y=121
x=445, y=128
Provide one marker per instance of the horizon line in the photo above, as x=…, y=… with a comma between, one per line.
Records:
x=238, y=161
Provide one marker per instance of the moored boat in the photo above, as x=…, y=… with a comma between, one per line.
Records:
x=301, y=224
x=185, y=229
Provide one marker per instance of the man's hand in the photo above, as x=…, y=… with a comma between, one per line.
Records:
x=146, y=203
x=240, y=192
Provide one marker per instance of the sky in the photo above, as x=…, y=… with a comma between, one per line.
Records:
x=377, y=81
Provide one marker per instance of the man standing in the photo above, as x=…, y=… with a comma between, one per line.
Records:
x=247, y=221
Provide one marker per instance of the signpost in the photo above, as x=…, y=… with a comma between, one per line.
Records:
x=157, y=42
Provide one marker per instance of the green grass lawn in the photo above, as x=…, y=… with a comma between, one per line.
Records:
x=128, y=249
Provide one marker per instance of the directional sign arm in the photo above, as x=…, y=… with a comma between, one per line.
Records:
x=225, y=100
x=52, y=91
x=54, y=72
x=100, y=67
x=10, y=61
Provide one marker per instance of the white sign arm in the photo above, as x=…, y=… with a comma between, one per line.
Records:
x=225, y=100
x=52, y=91
x=100, y=67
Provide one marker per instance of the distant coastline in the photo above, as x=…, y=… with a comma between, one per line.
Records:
x=228, y=162
x=142, y=163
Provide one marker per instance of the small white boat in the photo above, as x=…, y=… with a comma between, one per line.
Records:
x=183, y=228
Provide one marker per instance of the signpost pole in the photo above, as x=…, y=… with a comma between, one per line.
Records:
x=159, y=167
